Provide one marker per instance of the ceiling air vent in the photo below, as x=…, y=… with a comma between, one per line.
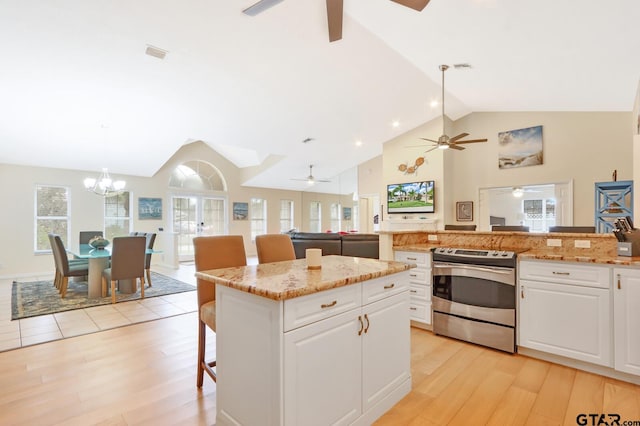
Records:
x=156, y=52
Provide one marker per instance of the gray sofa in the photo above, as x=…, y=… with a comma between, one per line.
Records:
x=357, y=245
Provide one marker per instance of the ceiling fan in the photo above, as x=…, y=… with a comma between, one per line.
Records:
x=334, y=12
x=311, y=179
x=444, y=141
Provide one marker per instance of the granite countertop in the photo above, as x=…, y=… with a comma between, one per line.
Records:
x=542, y=254
x=290, y=279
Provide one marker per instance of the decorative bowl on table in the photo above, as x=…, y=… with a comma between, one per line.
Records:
x=98, y=242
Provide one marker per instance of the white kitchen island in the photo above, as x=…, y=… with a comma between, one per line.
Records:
x=311, y=347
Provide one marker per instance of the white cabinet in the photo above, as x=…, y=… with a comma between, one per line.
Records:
x=626, y=308
x=339, y=368
x=339, y=356
x=420, y=285
x=564, y=309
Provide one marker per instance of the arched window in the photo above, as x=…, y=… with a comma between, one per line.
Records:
x=197, y=175
x=199, y=204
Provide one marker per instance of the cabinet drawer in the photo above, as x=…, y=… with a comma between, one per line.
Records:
x=315, y=307
x=382, y=287
x=420, y=292
x=420, y=311
x=566, y=273
x=419, y=258
x=419, y=276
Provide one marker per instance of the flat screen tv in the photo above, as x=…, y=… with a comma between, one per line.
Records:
x=411, y=197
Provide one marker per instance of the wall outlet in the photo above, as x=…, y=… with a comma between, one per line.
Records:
x=554, y=242
x=432, y=237
x=582, y=244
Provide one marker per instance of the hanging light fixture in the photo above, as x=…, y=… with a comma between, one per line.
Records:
x=104, y=185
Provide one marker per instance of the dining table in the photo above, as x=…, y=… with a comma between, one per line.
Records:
x=98, y=262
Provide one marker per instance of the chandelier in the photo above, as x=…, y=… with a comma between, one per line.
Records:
x=104, y=185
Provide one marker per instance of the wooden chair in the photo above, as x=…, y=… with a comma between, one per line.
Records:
x=274, y=248
x=212, y=252
x=151, y=239
x=127, y=262
x=65, y=268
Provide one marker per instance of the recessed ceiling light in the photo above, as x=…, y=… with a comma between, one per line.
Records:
x=358, y=143
x=395, y=123
x=434, y=103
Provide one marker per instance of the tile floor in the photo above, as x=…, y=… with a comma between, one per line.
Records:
x=45, y=328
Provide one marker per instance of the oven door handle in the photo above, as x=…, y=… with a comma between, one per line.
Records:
x=473, y=268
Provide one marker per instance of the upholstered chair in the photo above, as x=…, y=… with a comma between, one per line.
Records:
x=274, y=248
x=212, y=252
x=127, y=262
x=151, y=239
x=65, y=268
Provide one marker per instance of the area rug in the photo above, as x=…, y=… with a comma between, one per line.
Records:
x=30, y=299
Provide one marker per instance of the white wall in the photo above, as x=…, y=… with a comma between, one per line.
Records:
x=583, y=146
x=17, y=256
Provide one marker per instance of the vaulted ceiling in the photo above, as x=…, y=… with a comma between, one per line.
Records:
x=78, y=92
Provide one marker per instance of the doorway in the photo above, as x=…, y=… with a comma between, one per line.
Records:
x=194, y=216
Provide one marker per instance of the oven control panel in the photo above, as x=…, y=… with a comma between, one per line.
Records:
x=474, y=253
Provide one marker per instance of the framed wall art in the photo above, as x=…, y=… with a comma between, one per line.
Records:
x=464, y=211
x=520, y=148
x=240, y=211
x=149, y=208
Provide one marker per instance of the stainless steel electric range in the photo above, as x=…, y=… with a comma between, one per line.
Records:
x=474, y=296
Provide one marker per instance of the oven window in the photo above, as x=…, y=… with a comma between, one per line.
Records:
x=474, y=291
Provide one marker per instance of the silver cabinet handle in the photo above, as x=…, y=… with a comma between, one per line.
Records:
x=328, y=305
x=387, y=287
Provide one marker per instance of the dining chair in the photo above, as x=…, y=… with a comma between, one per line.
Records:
x=212, y=252
x=127, y=262
x=274, y=248
x=65, y=268
x=85, y=236
x=151, y=239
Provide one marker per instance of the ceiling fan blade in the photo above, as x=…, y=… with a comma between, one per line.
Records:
x=472, y=141
x=334, y=19
x=456, y=147
x=417, y=146
x=430, y=140
x=460, y=136
x=431, y=149
x=413, y=4
x=260, y=7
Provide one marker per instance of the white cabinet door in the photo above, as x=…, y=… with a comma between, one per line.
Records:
x=566, y=320
x=386, y=348
x=626, y=306
x=322, y=371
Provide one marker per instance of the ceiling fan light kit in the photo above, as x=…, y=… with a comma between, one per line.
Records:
x=444, y=141
x=311, y=180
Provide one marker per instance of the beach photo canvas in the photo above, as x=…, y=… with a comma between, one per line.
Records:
x=520, y=148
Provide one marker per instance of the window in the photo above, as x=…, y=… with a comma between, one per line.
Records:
x=52, y=215
x=117, y=215
x=355, y=218
x=539, y=215
x=335, y=217
x=315, y=216
x=258, y=217
x=286, y=215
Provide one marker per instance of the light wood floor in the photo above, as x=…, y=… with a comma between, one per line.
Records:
x=145, y=374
